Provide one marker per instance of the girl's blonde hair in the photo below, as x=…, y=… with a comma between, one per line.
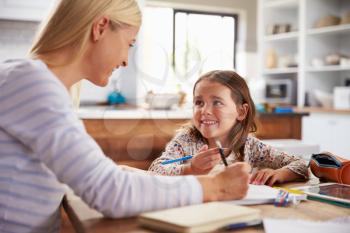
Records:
x=70, y=23
x=240, y=95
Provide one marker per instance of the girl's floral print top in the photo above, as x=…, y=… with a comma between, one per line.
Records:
x=256, y=153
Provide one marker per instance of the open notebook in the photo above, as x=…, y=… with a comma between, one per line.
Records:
x=262, y=194
x=205, y=217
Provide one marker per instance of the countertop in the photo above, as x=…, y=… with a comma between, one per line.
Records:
x=112, y=112
x=322, y=110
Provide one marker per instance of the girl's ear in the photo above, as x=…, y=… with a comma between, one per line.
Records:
x=242, y=111
x=99, y=28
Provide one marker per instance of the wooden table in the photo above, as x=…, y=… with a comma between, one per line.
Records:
x=87, y=220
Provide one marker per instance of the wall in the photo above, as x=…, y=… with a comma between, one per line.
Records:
x=128, y=79
x=16, y=37
x=246, y=56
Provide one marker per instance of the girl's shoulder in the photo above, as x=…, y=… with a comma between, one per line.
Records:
x=188, y=139
x=253, y=141
x=186, y=134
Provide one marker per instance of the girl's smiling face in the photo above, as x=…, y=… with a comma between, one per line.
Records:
x=214, y=110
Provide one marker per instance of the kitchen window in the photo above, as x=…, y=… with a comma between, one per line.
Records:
x=178, y=45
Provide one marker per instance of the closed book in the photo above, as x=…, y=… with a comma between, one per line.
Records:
x=205, y=217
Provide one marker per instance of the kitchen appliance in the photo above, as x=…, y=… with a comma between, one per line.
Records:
x=279, y=91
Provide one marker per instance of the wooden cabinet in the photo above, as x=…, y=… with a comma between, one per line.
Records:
x=279, y=126
x=137, y=142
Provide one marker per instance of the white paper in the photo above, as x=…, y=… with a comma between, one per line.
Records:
x=262, y=194
x=302, y=226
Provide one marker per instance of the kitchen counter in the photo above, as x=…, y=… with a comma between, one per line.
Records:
x=322, y=110
x=109, y=112
x=136, y=136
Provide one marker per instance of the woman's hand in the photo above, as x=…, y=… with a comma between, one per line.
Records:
x=270, y=177
x=202, y=162
x=229, y=184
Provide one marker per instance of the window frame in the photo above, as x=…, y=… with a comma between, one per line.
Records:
x=186, y=11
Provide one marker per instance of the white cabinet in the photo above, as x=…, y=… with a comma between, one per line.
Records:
x=330, y=131
x=27, y=10
x=304, y=43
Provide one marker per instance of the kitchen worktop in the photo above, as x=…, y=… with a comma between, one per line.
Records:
x=110, y=112
x=136, y=136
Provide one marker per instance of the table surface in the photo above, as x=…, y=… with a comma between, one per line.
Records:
x=85, y=219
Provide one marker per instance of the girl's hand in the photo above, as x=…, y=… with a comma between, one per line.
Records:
x=203, y=162
x=270, y=177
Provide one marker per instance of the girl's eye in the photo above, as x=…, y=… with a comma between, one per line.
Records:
x=217, y=103
x=131, y=45
x=198, y=103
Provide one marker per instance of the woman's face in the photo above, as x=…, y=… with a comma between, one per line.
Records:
x=214, y=111
x=109, y=52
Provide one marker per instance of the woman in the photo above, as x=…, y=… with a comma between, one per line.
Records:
x=43, y=145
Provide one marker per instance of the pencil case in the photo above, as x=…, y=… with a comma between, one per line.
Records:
x=330, y=167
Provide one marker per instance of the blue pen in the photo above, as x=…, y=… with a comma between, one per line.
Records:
x=240, y=225
x=187, y=157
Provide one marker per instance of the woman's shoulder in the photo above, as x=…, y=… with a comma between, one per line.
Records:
x=31, y=79
x=13, y=66
x=29, y=72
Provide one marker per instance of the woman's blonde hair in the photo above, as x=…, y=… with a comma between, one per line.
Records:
x=70, y=23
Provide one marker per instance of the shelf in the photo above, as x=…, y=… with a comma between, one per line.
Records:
x=327, y=68
x=282, y=37
x=336, y=30
x=282, y=4
x=281, y=71
x=321, y=110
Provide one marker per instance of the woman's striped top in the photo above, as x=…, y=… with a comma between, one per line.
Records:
x=43, y=145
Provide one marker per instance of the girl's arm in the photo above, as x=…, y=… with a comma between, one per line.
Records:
x=202, y=162
x=173, y=150
x=289, y=167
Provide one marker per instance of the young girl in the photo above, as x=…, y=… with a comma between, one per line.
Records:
x=224, y=111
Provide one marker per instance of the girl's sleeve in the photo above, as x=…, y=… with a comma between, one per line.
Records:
x=41, y=118
x=264, y=156
x=173, y=150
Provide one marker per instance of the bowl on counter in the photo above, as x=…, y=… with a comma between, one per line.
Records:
x=325, y=99
x=162, y=101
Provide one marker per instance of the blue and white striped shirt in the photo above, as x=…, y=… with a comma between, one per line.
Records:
x=44, y=145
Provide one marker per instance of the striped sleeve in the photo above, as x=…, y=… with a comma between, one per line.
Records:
x=36, y=111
